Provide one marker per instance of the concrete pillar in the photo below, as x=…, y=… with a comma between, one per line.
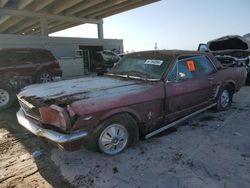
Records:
x=44, y=27
x=100, y=30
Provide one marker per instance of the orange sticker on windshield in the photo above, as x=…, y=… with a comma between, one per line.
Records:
x=190, y=65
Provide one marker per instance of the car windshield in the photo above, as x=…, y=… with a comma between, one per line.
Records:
x=141, y=67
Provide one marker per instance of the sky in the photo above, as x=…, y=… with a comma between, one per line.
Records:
x=172, y=24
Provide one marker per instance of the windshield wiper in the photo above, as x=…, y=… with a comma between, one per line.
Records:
x=134, y=75
x=138, y=73
x=120, y=75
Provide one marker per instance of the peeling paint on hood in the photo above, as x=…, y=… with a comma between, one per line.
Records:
x=82, y=88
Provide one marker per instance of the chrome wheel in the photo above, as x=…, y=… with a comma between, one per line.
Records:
x=225, y=98
x=4, y=97
x=45, y=77
x=113, y=139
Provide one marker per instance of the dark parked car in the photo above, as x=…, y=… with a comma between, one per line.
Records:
x=232, y=51
x=20, y=67
x=105, y=60
x=144, y=94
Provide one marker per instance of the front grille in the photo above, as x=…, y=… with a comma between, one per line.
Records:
x=29, y=110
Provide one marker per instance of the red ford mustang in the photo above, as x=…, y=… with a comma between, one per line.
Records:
x=144, y=94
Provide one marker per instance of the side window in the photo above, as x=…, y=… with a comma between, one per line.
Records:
x=188, y=67
x=203, y=66
x=183, y=71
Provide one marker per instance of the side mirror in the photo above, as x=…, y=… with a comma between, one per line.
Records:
x=182, y=76
x=203, y=48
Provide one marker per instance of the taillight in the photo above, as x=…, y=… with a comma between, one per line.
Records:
x=56, y=62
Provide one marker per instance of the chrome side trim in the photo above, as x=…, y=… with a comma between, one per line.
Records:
x=217, y=91
x=178, y=121
x=47, y=133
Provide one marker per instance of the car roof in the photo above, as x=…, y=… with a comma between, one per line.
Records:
x=174, y=54
x=167, y=52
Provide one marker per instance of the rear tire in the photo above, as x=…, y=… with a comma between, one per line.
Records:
x=43, y=77
x=114, y=135
x=225, y=98
x=7, y=97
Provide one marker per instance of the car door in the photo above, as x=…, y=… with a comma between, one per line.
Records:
x=10, y=63
x=189, y=86
x=23, y=61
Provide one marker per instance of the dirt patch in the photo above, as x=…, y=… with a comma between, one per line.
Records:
x=195, y=125
x=177, y=157
x=19, y=168
x=245, y=155
x=115, y=170
x=6, y=145
x=207, y=118
x=83, y=181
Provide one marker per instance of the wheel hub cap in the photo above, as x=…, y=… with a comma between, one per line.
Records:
x=45, y=78
x=4, y=97
x=225, y=99
x=113, y=139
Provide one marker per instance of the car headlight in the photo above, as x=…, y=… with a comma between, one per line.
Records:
x=55, y=115
x=63, y=123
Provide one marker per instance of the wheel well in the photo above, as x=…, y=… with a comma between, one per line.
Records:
x=232, y=86
x=42, y=70
x=138, y=123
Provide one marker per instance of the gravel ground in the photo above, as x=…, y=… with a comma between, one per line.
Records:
x=210, y=150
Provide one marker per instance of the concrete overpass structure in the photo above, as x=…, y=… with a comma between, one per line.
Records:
x=27, y=23
x=42, y=17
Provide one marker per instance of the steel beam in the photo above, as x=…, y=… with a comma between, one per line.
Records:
x=100, y=30
x=119, y=9
x=44, y=27
x=47, y=16
x=11, y=21
x=63, y=5
x=39, y=5
x=100, y=7
x=24, y=24
x=82, y=6
x=23, y=3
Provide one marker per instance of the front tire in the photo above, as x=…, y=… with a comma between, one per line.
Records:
x=7, y=97
x=114, y=135
x=225, y=98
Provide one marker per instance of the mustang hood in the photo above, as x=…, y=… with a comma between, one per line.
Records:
x=232, y=45
x=68, y=91
x=232, y=42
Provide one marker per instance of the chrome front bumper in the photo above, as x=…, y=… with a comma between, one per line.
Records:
x=47, y=133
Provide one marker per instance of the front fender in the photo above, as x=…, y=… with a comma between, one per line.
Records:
x=119, y=111
x=90, y=122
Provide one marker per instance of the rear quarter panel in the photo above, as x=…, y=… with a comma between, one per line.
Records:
x=232, y=75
